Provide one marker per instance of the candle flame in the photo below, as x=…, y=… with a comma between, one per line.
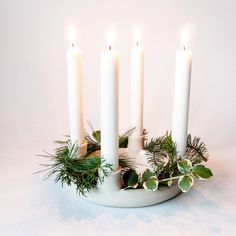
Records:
x=137, y=36
x=72, y=35
x=185, y=34
x=110, y=38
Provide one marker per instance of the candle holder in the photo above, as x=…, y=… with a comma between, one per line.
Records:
x=150, y=171
x=111, y=193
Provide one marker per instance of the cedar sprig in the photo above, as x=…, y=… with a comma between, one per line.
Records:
x=84, y=172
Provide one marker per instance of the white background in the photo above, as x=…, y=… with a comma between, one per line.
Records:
x=33, y=96
x=34, y=41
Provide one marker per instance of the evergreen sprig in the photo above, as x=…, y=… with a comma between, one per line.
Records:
x=94, y=140
x=196, y=150
x=168, y=167
x=84, y=172
x=161, y=155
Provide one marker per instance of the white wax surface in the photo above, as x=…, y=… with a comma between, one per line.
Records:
x=109, y=106
x=75, y=95
x=137, y=78
x=181, y=99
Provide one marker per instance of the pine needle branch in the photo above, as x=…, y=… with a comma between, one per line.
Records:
x=196, y=150
x=161, y=155
x=82, y=172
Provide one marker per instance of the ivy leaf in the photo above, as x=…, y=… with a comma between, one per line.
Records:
x=147, y=174
x=151, y=184
x=184, y=166
x=97, y=135
x=185, y=183
x=149, y=180
x=130, y=179
x=201, y=172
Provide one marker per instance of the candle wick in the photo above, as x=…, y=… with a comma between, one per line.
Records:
x=109, y=47
x=137, y=43
x=72, y=45
x=184, y=47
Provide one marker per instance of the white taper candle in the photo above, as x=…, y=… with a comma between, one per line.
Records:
x=181, y=98
x=75, y=92
x=109, y=106
x=137, y=79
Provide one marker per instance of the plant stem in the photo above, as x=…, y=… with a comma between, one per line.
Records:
x=171, y=178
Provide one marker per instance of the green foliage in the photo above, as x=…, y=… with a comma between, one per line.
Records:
x=130, y=179
x=94, y=140
x=123, y=139
x=92, y=143
x=196, y=150
x=163, y=157
x=184, y=166
x=69, y=169
x=161, y=154
x=185, y=183
x=147, y=174
x=149, y=180
x=97, y=136
x=201, y=172
x=151, y=184
x=188, y=171
x=167, y=167
x=83, y=171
